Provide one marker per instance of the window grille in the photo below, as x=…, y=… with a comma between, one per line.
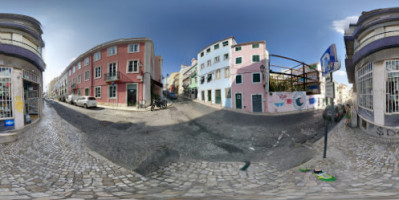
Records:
x=6, y=110
x=392, y=86
x=365, y=86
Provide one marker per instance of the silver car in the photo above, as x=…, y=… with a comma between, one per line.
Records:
x=86, y=101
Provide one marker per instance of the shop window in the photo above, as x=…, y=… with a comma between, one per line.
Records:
x=392, y=86
x=6, y=106
x=365, y=86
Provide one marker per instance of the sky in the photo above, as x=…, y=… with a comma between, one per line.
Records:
x=299, y=29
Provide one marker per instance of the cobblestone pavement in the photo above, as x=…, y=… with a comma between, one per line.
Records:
x=50, y=161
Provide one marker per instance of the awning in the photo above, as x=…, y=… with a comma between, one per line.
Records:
x=156, y=83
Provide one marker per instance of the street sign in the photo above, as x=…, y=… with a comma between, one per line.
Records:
x=329, y=61
x=330, y=89
x=328, y=77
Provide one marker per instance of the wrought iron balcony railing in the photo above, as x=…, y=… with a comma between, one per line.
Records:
x=112, y=76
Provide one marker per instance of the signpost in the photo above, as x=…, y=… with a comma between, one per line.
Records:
x=329, y=64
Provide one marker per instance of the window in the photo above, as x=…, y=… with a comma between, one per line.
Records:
x=79, y=65
x=70, y=73
x=202, y=79
x=202, y=54
x=73, y=81
x=73, y=69
x=226, y=56
x=216, y=46
x=6, y=101
x=209, y=78
x=87, y=92
x=97, y=56
x=217, y=59
x=209, y=95
x=97, y=72
x=97, y=92
x=112, y=51
x=255, y=45
x=238, y=48
x=208, y=63
x=86, y=61
x=202, y=66
x=238, y=79
x=112, y=91
x=217, y=74
x=79, y=78
x=133, y=48
x=132, y=66
x=392, y=86
x=256, y=78
x=203, y=95
x=365, y=86
x=226, y=72
x=87, y=75
x=238, y=60
x=208, y=50
x=69, y=83
x=255, y=58
x=78, y=92
x=225, y=43
x=228, y=92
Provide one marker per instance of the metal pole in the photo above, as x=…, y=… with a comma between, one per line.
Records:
x=325, y=139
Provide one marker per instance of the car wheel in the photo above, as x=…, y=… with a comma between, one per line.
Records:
x=152, y=107
x=85, y=106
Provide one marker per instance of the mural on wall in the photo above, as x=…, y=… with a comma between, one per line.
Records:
x=19, y=104
x=293, y=101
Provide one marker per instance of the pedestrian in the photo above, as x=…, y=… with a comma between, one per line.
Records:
x=347, y=114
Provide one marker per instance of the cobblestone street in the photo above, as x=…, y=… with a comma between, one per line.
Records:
x=51, y=161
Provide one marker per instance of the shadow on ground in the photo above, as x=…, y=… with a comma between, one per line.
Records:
x=220, y=135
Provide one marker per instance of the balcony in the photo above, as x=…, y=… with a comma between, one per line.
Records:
x=111, y=77
x=73, y=86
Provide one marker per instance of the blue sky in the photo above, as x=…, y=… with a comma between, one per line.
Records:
x=179, y=29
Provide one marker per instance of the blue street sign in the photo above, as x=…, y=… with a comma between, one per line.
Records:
x=9, y=122
x=112, y=83
x=329, y=61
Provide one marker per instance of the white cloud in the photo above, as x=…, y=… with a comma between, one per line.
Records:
x=341, y=25
x=340, y=73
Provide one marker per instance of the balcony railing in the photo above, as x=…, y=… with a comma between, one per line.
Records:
x=113, y=76
x=73, y=86
x=21, y=44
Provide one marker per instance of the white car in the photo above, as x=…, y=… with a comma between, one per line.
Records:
x=86, y=101
x=71, y=99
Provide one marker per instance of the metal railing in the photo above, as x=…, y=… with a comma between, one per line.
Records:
x=112, y=76
x=367, y=40
x=21, y=44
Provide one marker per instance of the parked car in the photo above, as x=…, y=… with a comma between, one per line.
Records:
x=86, y=102
x=71, y=99
x=339, y=112
x=172, y=95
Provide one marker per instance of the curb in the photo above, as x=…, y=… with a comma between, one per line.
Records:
x=13, y=135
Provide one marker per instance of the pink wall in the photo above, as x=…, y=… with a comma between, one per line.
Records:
x=246, y=69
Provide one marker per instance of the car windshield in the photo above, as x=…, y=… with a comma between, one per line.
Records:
x=91, y=98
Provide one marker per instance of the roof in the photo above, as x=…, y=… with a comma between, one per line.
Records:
x=245, y=43
x=232, y=37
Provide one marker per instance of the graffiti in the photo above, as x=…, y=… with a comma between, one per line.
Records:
x=312, y=101
x=289, y=101
x=381, y=131
x=299, y=100
x=19, y=104
x=282, y=96
x=279, y=104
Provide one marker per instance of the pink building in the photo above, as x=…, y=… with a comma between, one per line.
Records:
x=248, y=63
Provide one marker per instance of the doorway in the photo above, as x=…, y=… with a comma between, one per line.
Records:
x=31, y=100
x=238, y=101
x=131, y=94
x=256, y=103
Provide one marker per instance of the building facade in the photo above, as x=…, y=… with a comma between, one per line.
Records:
x=248, y=67
x=214, y=73
x=121, y=73
x=21, y=68
x=372, y=65
x=190, y=80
